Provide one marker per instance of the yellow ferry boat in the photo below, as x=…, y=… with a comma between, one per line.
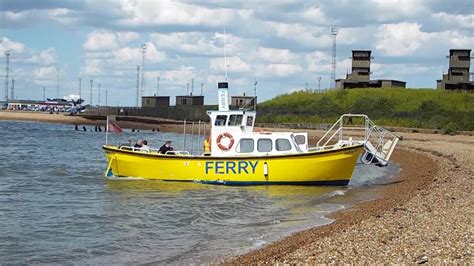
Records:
x=241, y=156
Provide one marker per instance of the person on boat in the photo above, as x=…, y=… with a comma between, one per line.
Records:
x=144, y=146
x=207, y=145
x=166, y=147
x=139, y=144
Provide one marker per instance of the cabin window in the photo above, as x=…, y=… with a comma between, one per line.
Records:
x=264, y=145
x=235, y=120
x=249, y=121
x=246, y=145
x=220, y=120
x=300, y=139
x=282, y=145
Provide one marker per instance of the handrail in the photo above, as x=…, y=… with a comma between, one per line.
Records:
x=327, y=132
x=374, y=140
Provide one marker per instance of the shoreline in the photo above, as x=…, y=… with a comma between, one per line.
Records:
x=422, y=216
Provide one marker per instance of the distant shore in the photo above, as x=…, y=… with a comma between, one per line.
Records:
x=424, y=215
x=64, y=118
x=44, y=117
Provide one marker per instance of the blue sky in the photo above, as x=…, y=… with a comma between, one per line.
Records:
x=282, y=44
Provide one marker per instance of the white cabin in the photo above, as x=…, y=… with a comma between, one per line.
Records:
x=232, y=133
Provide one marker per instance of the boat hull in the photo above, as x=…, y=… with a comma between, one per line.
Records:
x=333, y=167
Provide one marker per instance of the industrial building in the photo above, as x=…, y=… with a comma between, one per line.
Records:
x=243, y=101
x=457, y=77
x=360, y=74
x=189, y=100
x=155, y=102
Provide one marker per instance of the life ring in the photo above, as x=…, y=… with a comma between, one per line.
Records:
x=231, y=141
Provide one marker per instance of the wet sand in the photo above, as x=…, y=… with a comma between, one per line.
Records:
x=424, y=215
x=64, y=118
x=44, y=117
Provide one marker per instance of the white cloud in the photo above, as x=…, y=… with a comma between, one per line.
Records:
x=404, y=39
x=102, y=40
x=278, y=70
x=182, y=75
x=234, y=64
x=45, y=57
x=455, y=20
x=300, y=33
x=12, y=46
x=147, y=13
x=133, y=56
x=194, y=43
x=45, y=73
x=400, y=39
x=93, y=67
x=392, y=9
x=315, y=15
x=272, y=55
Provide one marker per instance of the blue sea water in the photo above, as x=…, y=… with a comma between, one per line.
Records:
x=57, y=207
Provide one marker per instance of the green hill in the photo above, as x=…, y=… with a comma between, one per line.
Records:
x=420, y=108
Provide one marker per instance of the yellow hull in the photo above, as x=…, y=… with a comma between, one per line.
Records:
x=332, y=167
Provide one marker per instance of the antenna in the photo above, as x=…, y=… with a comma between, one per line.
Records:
x=44, y=93
x=57, y=81
x=192, y=86
x=138, y=86
x=202, y=85
x=99, y=94
x=187, y=88
x=92, y=82
x=225, y=55
x=157, y=85
x=80, y=88
x=319, y=83
x=13, y=89
x=334, y=32
x=144, y=46
x=7, y=73
x=255, y=96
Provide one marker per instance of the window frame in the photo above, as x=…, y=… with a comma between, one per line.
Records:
x=219, y=118
x=265, y=139
x=235, y=124
x=300, y=136
x=246, y=139
x=251, y=121
x=288, y=143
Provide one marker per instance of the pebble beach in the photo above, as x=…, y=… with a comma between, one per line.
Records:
x=424, y=215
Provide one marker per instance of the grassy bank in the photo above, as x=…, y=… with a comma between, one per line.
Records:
x=421, y=108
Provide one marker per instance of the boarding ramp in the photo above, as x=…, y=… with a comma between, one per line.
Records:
x=351, y=129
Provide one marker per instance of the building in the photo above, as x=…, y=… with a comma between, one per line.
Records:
x=155, y=102
x=360, y=74
x=242, y=101
x=457, y=77
x=189, y=100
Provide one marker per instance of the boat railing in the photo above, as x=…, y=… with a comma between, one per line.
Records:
x=153, y=150
x=378, y=142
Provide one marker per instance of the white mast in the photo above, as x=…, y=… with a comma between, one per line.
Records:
x=225, y=56
x=223, y=87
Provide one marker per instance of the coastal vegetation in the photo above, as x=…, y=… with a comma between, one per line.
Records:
x=415, y=108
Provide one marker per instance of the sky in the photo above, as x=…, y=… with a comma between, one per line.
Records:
x=283, y=45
